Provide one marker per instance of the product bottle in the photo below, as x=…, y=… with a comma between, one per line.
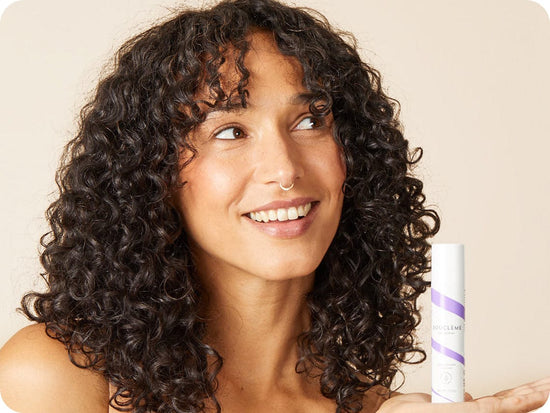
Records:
x=447, y=323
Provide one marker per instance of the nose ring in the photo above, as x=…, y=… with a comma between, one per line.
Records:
x=286, y=188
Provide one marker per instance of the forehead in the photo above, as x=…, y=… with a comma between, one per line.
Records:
x=264, y=52
x=263, y=65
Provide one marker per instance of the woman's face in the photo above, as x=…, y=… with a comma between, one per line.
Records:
x=243, y=154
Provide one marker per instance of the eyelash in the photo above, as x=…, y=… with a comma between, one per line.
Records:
x=234, y=128
x=316, y=123
x=320, y=122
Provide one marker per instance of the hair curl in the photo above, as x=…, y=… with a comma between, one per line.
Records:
x=122, y=288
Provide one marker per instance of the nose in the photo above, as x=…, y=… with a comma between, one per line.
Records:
x=280, y=160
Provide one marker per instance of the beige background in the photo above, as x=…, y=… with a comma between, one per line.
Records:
x=472, y=77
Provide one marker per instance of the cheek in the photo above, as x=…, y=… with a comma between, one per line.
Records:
x=209, y=183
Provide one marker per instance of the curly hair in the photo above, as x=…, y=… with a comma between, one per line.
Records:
x=122, y=286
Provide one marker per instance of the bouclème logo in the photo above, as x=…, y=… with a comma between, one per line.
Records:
x=446, y=327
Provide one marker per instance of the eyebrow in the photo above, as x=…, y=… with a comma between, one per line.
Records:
x=301, y=98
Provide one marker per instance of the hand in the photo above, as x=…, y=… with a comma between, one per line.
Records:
x=521, y=399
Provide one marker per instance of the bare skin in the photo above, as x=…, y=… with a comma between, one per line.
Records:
x=256, y=335
x=37, y=376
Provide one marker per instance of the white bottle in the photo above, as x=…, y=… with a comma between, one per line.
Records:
x=447, y=323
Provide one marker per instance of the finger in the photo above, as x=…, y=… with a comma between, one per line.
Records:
x=468, y=397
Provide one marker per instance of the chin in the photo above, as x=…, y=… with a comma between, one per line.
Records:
x=286, y=272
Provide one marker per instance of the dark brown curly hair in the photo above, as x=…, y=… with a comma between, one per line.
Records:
x=122, y=285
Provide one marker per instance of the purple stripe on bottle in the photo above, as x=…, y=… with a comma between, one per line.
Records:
x=443, y=397
x=447, y=303
x=447, y=352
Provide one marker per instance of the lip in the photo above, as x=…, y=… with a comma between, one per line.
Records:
x=285, y=229
x=283, y=204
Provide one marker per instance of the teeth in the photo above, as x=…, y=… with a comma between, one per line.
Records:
x=281, y=214
x=292, y=213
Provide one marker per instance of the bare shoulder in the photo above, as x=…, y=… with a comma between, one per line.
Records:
x=37, y=375
x=374, y=398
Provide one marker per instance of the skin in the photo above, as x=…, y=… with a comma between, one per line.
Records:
x=255, y=280
x=37, y=376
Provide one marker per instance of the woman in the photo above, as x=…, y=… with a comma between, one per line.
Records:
x=236, y=231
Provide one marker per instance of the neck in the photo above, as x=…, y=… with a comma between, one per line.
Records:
x=253, y=323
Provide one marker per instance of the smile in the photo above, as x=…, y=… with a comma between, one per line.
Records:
x=281, y=214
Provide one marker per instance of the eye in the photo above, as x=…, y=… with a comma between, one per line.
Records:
x=310, y=122
x=230, y=133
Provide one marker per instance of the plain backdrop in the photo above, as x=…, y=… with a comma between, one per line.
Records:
x=472, y=79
